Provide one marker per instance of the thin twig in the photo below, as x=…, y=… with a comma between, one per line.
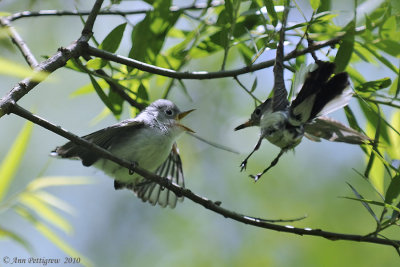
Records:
x=19, y=42
x=208, y=204
x=51, y=64
x=59, y=13
x=247, y=90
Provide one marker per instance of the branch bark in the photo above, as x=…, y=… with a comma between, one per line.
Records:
x=206, y=203
x=201, y=75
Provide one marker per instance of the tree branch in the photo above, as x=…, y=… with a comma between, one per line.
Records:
x=48, y=66
x=206, y=203
x=19, y=42
x=49, y=13
x=201, y=75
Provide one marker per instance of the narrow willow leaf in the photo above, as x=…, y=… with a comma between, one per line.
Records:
x=55, y=202
x=10, y=68
x=113, y=106
x=373, y=86
x=11, y=162
x=269, y=4
x=49, y=181
x=52, y=236
x=393, y=190
x=346, y=48
x=394, y=148
x=4, y=233
x=43, y=210
x=359, y=196
x=376, y=203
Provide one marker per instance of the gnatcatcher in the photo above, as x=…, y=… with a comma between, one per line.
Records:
x=320, y=94
x=147, y=140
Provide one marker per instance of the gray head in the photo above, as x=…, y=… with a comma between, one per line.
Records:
x=256, y=115
x=164, y=111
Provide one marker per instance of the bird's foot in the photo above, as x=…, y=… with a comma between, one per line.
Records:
x=243, y=165
x=134, y=164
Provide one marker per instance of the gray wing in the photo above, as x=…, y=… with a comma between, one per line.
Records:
x=103, y=138
x=332, y=130
x=154, y=193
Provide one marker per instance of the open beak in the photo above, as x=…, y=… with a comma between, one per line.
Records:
x=248, y=123
x=181, y=116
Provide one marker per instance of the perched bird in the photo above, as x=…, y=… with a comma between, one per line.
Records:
x=147, y=140
x=284, y=125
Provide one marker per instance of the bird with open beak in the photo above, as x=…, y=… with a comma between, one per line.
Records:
x=147, y=140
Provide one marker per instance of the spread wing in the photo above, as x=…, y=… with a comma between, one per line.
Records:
x=332, y=130
x=154, y=193
x=103, y=138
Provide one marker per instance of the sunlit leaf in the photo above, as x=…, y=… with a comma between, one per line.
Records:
x=52, y=236
x=394, y=148
x=4, y=233
x=376, y=203
x=101, y=116
x=49, y=181
x=314, y=4
x=11, y=68
x=96, y=63
x=43, y=210
x=11, y=162
x=54, y=201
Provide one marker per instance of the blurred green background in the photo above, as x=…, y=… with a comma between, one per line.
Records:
x=114, y=228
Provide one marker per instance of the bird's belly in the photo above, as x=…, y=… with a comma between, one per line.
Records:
x=277, y=130
x=149, y=153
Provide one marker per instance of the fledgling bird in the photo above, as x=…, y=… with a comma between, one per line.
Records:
x=321, y=93
x=147, y=140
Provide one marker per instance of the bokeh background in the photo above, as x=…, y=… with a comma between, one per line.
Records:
x=114, y=228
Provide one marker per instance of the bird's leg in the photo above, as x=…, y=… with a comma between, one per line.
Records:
x=244, y=162
x=273, y=163
x=134, y=164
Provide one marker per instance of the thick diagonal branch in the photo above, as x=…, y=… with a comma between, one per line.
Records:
x=208, y=204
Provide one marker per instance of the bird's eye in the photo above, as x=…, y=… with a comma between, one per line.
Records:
x=168, y=112
x=257, y=111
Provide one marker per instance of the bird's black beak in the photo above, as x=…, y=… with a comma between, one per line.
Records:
x=248, y=123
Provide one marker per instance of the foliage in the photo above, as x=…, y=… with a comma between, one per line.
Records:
x=174, y=38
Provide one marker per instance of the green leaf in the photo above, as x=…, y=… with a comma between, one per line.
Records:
x=49, y=181
x=377, y=203
x=9, y=165
x=96, y=63
x=113, y=39
x=373, y=86
x=393, y=190
x=148, y=36
x=381, y=58
x=142, y=92
x=269, y=4
x=52, y=236
x=11, y=68
x=43, y=210
x=111, y=101
x=359, y=196
x=346, y=48
x=4, y=233
x=314, y=4
x=393, y=149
